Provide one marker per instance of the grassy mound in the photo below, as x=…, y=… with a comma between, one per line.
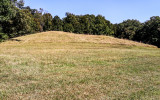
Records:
x=59, y=65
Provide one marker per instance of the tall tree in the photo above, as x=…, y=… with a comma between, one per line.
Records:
x=84, y=20
x=20, y=4
x=68, y=27
x=38, y=18
x=57, y=24
x=150, y=32
x=24, y=22
x=127, y=29
x=7, y=13
x=101, y=26
x=70, y=22
x=47, y=17
x=7, y=10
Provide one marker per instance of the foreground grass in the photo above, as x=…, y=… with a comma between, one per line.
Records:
x=66, y=66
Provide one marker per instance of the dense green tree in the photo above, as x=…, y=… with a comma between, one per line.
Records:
x=92, y=25
x=3, y=36
x=70, y=20
x=57, y=24
x=7, y=12
x=127, y=29
x=101, y=26
x=47, y=18
x=84, y=21
x=15, y=19
x=32, y=11
x=68, y=27
x=78, y=27
x=23, y=22
x=150, y=32
x=20, y=4
x=38, y=18
x=89, y=24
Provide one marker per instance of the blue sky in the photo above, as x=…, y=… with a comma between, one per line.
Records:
x=114, y=10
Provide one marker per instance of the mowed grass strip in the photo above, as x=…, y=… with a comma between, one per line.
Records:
x=59, y=65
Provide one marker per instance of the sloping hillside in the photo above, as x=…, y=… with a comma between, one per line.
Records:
x=66, y=66
x=63, y=37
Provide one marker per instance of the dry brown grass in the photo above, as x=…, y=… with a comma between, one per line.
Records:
x=66, y=66
x=64, y=37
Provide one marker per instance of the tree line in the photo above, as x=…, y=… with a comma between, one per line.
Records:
x=147, y=32
x=17, y=20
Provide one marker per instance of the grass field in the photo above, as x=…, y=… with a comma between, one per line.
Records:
x=66, y=66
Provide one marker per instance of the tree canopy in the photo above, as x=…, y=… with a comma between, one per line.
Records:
x=17, y=20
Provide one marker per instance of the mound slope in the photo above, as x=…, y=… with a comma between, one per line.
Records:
x=64, y=37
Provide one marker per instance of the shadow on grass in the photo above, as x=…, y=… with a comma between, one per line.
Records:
x=15, y=40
